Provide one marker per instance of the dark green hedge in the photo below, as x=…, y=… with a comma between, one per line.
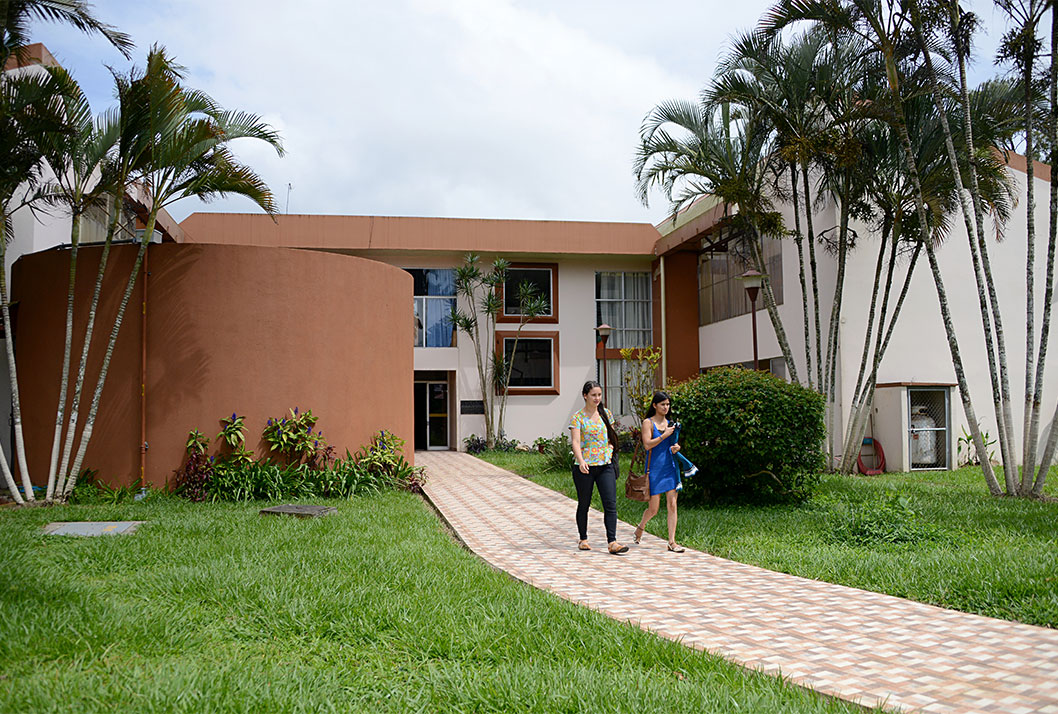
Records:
x=753, y=436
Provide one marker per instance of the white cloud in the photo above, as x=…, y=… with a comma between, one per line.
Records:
x=482, y=108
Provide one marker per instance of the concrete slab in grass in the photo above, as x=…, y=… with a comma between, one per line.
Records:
x=299, y=511
x=92, y=528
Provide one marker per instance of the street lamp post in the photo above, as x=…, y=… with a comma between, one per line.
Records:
x=751, y=280
x=604, y=331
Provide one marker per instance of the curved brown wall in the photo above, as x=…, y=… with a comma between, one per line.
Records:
x=229, y=329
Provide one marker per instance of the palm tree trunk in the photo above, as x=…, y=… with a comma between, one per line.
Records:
x=9, y=480
x=855, y=405
x=799, y=240
x=997, y=355
x=1048, y=456
x=64, y=377
x=815, y=279
x=829, y=390
x=489, y=385
x=942, y=296
x=973, y=220
x=71, y=429
x=508, y=368
x=86, y=434
x=887, y=232
x=1028, y=452
x=1032, y=436
x=773, y=312
x=475, y=338
x=880, y=346
x=16, y=407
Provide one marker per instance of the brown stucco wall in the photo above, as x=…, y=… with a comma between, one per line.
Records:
x=401, y=233
x=229, y=328
x=681, y=320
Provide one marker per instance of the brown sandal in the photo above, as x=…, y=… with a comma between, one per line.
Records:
x=616, y=548
x=583, y=545
x=638, y=536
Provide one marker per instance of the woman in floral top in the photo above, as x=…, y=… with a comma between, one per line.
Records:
x=594, y=440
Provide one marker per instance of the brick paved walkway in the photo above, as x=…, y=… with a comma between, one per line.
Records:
x=865, y=647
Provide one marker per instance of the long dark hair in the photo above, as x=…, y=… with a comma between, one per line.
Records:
x=611, y=433
x=659, y=397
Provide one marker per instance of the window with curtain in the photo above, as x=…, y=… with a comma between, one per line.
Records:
x=721, y=295
x=622, y=301
x=435, y=297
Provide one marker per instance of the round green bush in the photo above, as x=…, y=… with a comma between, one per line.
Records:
x=753, y=436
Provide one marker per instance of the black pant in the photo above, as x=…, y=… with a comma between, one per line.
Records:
x=605, y=477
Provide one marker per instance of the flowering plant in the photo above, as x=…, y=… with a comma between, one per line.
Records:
x=293, y=436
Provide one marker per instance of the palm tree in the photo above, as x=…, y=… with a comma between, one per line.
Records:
x=18, y=15
x=29, y=114
x=78, y=160
x=893, y=195
x=718, y=155
x=1052, y=239
x=884, y=28
x=1020, y=46
x=177, y=140
x=781, y=82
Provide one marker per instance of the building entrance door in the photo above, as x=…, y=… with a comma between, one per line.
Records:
x=431, y=415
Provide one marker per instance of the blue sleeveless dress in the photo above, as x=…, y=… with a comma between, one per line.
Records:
x=661, y=467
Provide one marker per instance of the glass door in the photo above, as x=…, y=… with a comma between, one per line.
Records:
x=436, y=415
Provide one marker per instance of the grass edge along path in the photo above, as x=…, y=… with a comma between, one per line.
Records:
x=966, y=550
x=211, y=607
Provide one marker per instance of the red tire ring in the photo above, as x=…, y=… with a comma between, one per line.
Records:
x=878, y=451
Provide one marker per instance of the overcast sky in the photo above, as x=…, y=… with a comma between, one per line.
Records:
x=457, y=108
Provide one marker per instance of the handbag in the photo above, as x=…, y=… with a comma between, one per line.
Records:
x=637, y=486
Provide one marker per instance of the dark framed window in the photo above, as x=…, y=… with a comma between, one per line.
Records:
x=435, y=297
x=535, y=361
x=721, y=295
x=543, y=277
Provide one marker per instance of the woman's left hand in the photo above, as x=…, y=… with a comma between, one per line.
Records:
x=674, y=448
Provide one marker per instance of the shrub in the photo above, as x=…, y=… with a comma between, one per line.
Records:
x=89, y=489
x=753, y=436
x=558, y=456
x=194, y=477
x=627, y=438
x=294, y=439
x=475, y=444
x=234, y=475
x=505, y=444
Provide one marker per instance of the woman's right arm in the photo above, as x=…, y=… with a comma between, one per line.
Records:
x=575, y=443
x=644, y=430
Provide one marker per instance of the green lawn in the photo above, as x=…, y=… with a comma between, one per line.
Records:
x=993, y=556
x=211, y=607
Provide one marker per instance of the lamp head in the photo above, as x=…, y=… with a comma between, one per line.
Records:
x=751, y=279
x=604, y=331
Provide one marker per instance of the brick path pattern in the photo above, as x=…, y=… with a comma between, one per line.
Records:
x=864, y=647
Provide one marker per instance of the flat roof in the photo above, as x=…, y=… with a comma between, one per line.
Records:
x=400, y=233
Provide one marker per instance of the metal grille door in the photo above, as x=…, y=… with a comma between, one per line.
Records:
x=929, y=427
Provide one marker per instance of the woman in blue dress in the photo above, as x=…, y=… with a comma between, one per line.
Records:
x=659, y=440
